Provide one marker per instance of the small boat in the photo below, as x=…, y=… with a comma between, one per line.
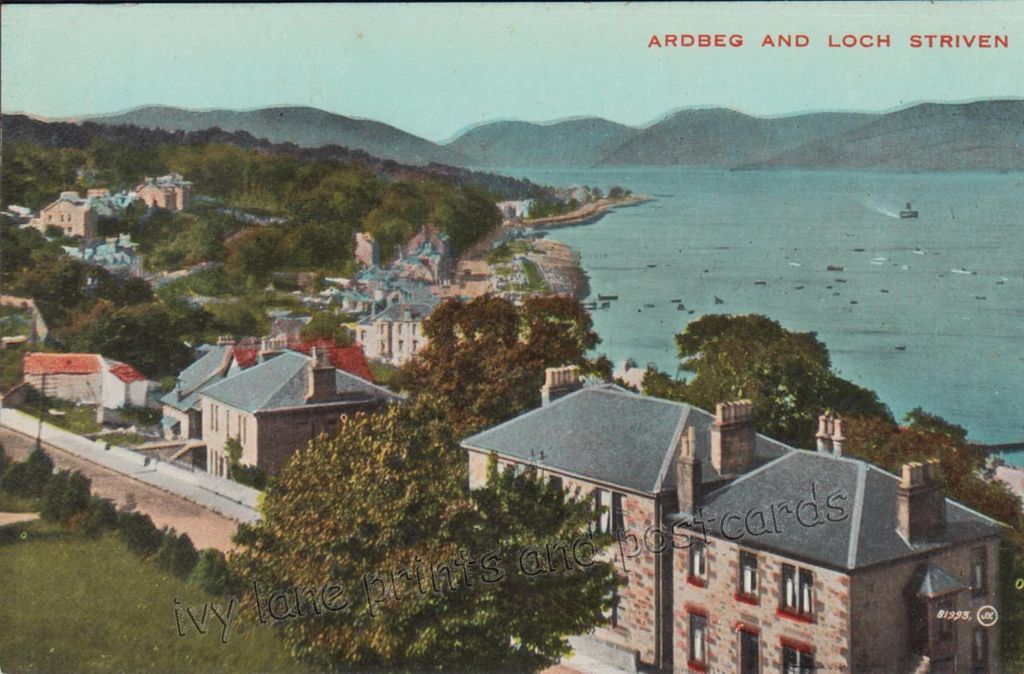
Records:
x=675, y=301
x=840, y=280
x=880, y=259
x=690, y=311
x=918, y=251
x=719, y=300
x=834, y=267
x=760, y=283
x=854, y=302
x=680, y=307
x=590, y=305
x=904, y=267
x=798, y=288
x=908, y=213
x=960, y=270
x=649, y=306
x=999, y=283
x=980, y=297
x=607, y=297
x=651, y=266
x=883, y=290
x=858, y=250
x=901, y=348
x=794, y=264
x=605, y=305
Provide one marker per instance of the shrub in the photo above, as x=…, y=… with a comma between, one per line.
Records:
x=252, y=476
x=138, y=532
x=100, y=516
x=176, y=554
x=29, y=477
x=66, y=495
x=211, y=572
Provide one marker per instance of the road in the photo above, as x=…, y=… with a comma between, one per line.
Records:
x=206, y=528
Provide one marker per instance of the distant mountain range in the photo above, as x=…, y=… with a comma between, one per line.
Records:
x=984, y=135
x=303, y=126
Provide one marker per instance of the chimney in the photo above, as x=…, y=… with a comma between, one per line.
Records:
x=920, y=506
x=559, y=381
x=732, y=437
x=824, y=434
x=688, y=473
x=225, y=340
x=268, y=349
x=838, y=439
x=320, y=382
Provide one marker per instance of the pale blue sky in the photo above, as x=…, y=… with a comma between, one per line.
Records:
x=433, y=70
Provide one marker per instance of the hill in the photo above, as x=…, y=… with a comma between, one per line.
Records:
x=303, y=126
x=574, y=142
x=986, y=135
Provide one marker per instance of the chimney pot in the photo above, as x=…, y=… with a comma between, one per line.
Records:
x=733, y=437
x=559, y=381
x=920, y=506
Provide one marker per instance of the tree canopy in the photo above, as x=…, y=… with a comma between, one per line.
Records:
x=787, y=375
x=388, y=494
x=487, y=357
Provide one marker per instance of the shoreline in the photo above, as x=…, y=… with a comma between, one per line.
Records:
x=561, y=268
x=585, y=214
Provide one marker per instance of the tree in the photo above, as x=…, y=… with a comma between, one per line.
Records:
x=147, y=336
x=101, y=516
x=327, y=325
x=255, y=253
x=29, y=477
x=487, y=357
x=176, y=554
x=65, y=496
x=388, y=494
x=787, y=375
x=211, y=572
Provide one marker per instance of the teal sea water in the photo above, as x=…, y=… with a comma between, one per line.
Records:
x=897, y=319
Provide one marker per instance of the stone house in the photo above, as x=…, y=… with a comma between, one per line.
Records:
x=395, y=334
x=171, y=191
x=367, y=250
x=182, y=412
x=741, y=554
x=70, y=213
x=275, y=407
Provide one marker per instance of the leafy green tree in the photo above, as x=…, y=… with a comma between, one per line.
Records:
x=101, y=516
x=487, y=357
x=65, y=496
x=255, y=253
x=176, y=554
x=330, y=326
x=396, y=483
x=465, y=215
x=29, y=477
x=211, y=572
x=145, y=335
x=787, y=375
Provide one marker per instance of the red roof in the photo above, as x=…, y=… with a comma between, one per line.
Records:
x=351, y=359
x=126, y=373
x=61, y=363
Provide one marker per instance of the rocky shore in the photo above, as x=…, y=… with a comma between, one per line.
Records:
x=561, y=268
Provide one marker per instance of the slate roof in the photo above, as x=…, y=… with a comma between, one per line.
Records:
x=858, y=530
x=280, y=382
x=205, y=370
x=396, y=312
x=61, y=363
x=935, y=581
x=610, y=435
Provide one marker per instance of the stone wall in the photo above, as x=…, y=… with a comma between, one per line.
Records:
x=828, y=633
x=80, y=388
x=881, y=624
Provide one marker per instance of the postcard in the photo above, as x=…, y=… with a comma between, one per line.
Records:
x=572, y=338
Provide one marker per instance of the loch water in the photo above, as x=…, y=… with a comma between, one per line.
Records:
x=927, y=312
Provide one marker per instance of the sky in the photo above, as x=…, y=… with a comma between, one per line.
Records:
x=434, y=70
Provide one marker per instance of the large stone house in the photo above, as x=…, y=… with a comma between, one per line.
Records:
x=741, y=554
x=395, y=334
x=182, y=412
x=275, y=407
x=70, y=213
x=171, y=191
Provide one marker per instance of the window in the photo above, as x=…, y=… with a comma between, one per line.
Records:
x=414, y=326
x=602, y=519
x=618, y=514
x=399, y=328
x=227, y=422
x=698, y=560
x=796, y=660
x=748, y=574
x=979, y=570
x=401, y=344
x=749, y=652
x=698, y=642
x=979, y=651
x=797, y=591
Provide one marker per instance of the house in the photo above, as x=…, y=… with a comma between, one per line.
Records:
x=367, y=250
x=515, y=210
x=115, y=254
x=70, y=213
x=395, y=334
x=426, y=256
x=741, y=554
x=171, y=191
x=182, y=412
x=86, y=378
x=275, y=407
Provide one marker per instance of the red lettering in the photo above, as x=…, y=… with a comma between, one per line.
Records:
x=653, y=42
x=670, y=40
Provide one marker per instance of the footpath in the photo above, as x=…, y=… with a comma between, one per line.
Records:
x=230, y=499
